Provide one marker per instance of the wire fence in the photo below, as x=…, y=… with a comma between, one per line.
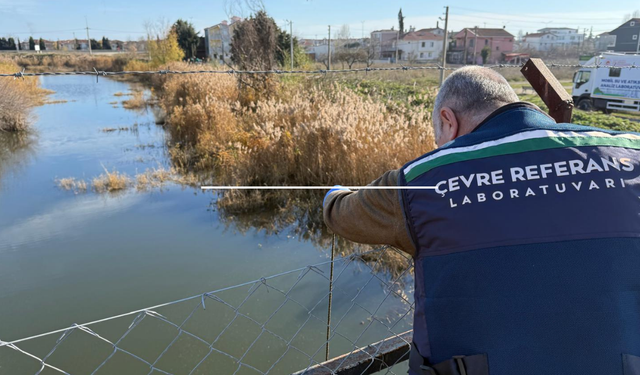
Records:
x=278, y=324
x=101, y=73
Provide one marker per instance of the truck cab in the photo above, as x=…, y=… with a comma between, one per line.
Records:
x=582, y=88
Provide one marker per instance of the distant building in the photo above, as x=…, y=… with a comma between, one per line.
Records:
x=383, y=43
x=605, y=42
x=421, y=45
x=627, y=36
x=218, y=40
x=539, y=41
x=469, y=42
x=564, y=36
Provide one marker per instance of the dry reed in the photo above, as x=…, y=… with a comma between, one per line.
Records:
x=136, y=102
x=306, y=134
x=110, y=182
x=17, y=97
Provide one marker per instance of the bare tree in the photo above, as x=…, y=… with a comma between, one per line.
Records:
x=242, y=8
x=351, y=56
x=629, y=16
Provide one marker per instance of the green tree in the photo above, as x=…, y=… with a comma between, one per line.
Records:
x=400, y=23
x=283, y=49
x=32, y=44
x=12, y=44
x=485, y=53
x=106, y=44
x=187, y=37
x=95, y=44
x=43, y=46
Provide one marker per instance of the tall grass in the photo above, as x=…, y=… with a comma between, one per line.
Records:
x=70, y=62
x=306, y=133
x=17, y=97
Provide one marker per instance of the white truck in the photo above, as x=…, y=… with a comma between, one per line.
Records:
x=612, y=86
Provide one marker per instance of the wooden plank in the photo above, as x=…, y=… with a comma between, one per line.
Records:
x=553, y=94
x=360, y=362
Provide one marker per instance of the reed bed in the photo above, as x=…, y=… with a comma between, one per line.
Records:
x=309, y=133
x=17, y=98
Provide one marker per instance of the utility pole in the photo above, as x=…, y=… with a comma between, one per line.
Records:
x=88, y=39
x=397, y=42
x=464, y=58
x=444, y=44
x=291, y=37
x=475, y=45
x=329, y=51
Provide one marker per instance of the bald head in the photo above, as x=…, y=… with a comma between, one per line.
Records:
x=466, y=98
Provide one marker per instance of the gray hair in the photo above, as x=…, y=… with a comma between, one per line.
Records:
x=472, y=92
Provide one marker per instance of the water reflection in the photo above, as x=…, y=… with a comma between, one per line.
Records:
x=16, y=152
x=298, y=214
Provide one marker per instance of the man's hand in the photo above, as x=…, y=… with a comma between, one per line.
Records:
x=335, y=188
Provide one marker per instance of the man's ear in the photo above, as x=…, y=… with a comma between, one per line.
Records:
x=450, y=126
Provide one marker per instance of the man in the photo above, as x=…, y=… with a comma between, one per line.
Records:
x=527, y=246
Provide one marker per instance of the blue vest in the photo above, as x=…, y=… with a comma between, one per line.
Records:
x=529, y=247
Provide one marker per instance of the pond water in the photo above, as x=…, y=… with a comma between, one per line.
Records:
x=72, y=258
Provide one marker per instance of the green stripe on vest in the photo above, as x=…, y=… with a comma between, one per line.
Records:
x=534, y=144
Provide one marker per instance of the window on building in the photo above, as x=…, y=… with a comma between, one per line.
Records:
x=497, y=48
x=423, y=44
x=429, y=54
x=431, y=44
x=635, y=37
x=614, y=72
x=471, y=42
x=421, y=54
x=633, y=23
x=573, y=38
x=486, y=42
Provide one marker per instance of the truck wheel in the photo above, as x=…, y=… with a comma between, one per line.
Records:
x=585, y=105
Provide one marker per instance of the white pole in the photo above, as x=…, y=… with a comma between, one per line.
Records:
x=88, y=39
x=444, y=45
x=291, y=37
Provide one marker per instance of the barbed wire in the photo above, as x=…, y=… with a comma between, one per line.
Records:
x=238, y=319
x=99, y=73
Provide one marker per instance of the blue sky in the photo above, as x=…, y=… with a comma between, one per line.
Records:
x=124, y=20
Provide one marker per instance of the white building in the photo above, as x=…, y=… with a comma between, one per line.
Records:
x=218, y=40
x=421, y=45
x=565, y=36
x=553, y=38
x=539, y=41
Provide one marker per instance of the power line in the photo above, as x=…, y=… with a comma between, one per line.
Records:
x=42, y=32
x=542, y=17
x=525, y=21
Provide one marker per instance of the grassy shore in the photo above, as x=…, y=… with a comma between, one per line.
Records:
x=17, y=98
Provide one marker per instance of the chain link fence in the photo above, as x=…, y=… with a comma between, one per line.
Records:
x=272, y=325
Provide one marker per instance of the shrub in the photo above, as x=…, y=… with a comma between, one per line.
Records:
x=17, y=97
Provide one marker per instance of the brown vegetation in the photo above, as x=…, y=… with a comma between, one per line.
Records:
x=137, y=101
x=17, y=97
x=69, y=62
x=115, y=181
x=307, y=133
x=110, y=181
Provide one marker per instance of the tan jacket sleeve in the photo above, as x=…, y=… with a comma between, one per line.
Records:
x=370, y=216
